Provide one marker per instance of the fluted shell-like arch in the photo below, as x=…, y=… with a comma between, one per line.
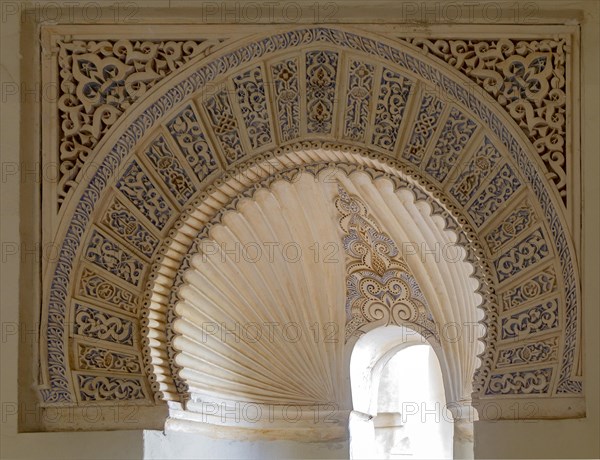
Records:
x=309, y=98
x=271, y=263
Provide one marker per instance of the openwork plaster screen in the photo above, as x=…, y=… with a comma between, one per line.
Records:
x=174, y=143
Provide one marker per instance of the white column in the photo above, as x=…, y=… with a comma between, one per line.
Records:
x=464, y=415
x=362, y=435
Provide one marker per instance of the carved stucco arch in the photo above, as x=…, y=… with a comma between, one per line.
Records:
x=191, y=320
x=441, y=89
x=325, y=162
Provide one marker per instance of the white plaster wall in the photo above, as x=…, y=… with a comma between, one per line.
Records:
x=177, y=445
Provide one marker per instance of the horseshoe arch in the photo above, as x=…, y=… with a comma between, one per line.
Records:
x=247, y=116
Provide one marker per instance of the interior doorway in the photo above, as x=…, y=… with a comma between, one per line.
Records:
x=398, y=398
x=412, y=420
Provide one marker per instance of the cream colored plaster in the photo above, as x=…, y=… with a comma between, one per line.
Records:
x=570, y=438
x=19, y=230
x=535, y=439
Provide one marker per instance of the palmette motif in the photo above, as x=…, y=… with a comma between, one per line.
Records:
x=379, y=282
